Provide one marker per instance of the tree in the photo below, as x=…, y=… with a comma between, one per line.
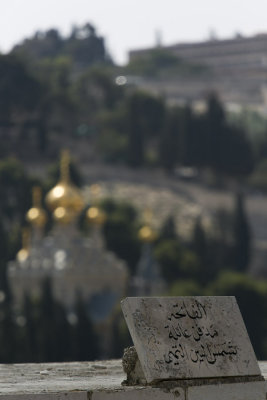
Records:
x=20, y=91
x=169, y=140
x=120, y=232
x=30, y=346
x=176, y=262
x=242, y=236
x=251, y=295
x=188, y=138
x=16, y=186
x=4, y=256
x=86, y=47
x=236, y=153
x=83, y=45
x=145, y=121
x=8, y=330
x=85, y=342
x=215, y=125
x=228, y=150
x=200, y=246
x=53, y=328
x=168, y=229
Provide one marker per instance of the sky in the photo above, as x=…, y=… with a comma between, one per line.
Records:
x=133, y=24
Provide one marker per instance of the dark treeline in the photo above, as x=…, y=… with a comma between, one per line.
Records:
x=213, y=262
x=47, y=102
x=83, y=46
x=42, y=331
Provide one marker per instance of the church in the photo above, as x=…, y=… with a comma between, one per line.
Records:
x=76, y=265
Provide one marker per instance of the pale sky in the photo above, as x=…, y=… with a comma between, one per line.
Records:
x=132, y=24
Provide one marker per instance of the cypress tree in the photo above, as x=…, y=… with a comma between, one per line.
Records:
x=85, y=343
x=242, y=236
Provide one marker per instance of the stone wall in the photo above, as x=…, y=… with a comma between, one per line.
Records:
x=102, y=381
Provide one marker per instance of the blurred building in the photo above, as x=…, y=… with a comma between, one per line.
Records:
x=76, y=265
x=236, y=70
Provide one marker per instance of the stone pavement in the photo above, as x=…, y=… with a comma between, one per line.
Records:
x=101, y=380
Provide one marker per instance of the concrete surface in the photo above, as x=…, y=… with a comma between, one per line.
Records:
x=102, y=381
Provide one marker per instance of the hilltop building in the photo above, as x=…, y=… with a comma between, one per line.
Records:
x=236, y=70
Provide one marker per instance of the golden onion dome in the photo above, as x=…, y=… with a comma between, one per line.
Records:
x=63, y=215
x=95, y=215
x=147, y=234
x=65, y=194
x=23, y=254
x=36, y=215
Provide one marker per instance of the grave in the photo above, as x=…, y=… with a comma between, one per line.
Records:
x=191, y=344
x=101, y=380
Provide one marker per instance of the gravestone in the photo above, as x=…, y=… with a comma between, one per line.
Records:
x=190, y=337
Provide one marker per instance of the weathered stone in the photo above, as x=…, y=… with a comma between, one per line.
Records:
x=142, y=394
x=236, y=391
x=132, y=367
x=102, y=381
x=51, y=396
x=190, y=337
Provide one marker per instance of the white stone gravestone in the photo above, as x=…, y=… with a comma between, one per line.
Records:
x=190, y=337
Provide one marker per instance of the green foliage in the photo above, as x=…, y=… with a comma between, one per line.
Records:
x=185, y=288
x=251, y=295
x=206, y=140
x=225, y=147
x=19, y=90
x=16, y=187
x=169, y=140
x=7, y=332
x=83, y=46
x=253, y=122
x=73, y=104
x=120, y=231
x=85, y=341
x=176, y=262
x=145, y=120
x=56, y=73
x=95, y=90
x=161, y=62
x=200, y=246
x=242, y=236
x=41, y=331
x=168, y=229
x=113, y=145
x=258, y=179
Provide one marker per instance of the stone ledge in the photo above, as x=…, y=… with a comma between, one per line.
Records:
x=102, y=381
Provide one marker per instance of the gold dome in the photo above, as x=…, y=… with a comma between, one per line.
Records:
x=95, y=215
x=23, y=254
x=65, y=194
x=147, y=234
x=63, y=215
x=36, y=215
